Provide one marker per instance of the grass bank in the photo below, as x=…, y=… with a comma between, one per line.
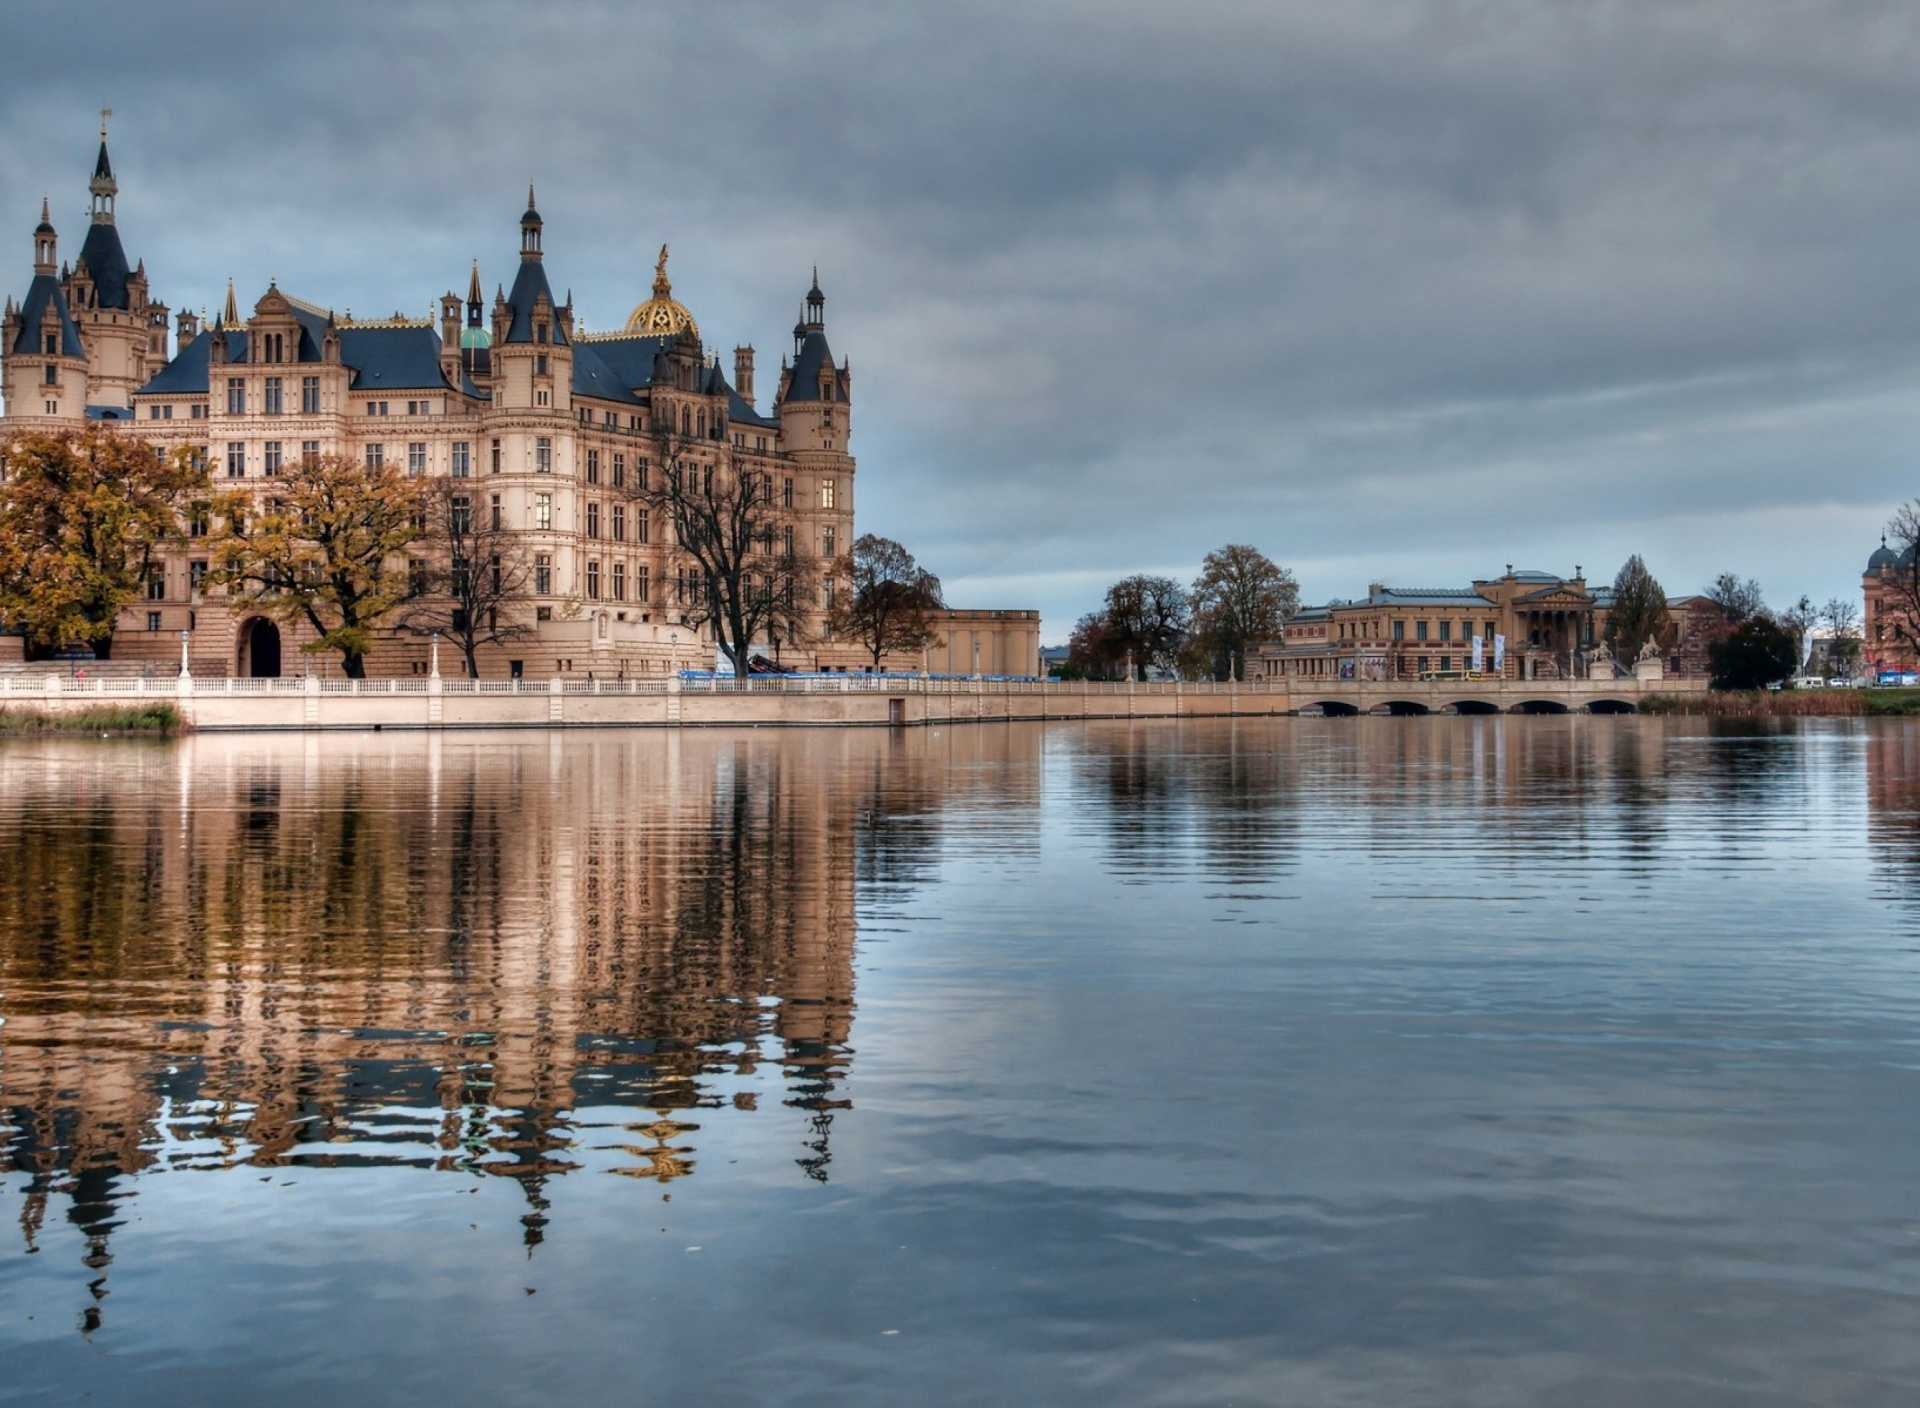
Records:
x=154, y=718
x=1788, y=704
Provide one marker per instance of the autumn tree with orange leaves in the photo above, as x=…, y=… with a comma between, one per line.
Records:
x=85, y=516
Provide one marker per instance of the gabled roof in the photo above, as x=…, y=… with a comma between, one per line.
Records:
x=1558, y=588
x=106, y=261
x=45, y=290
x=804, y=382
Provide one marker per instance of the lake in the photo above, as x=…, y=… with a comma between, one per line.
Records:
x=1372, y=1061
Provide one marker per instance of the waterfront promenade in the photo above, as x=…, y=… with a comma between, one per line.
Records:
x=310, y=702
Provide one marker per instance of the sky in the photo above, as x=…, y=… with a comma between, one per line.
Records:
x=1397, y=291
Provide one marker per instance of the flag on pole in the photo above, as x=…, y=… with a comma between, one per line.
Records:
x=1499, y=654
x=1479, y=654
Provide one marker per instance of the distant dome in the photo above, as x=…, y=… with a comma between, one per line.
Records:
x=660, y=316
x=475, y=339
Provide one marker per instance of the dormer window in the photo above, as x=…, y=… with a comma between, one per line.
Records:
x=53, y=344
x=539, y=332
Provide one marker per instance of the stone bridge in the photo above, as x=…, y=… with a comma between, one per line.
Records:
x=1492, y=696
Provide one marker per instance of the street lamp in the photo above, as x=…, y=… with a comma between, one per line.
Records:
x=433, y=668
x=673, y=637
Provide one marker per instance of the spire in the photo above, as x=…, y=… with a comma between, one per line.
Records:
x=45, y=244
x=103, y=187
x=473, y=286
x=530, y=229
x=230, y=315
x=816, y=304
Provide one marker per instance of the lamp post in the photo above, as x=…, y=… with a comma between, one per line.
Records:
x=186, y=670
x=433, y=667
x=673, y=640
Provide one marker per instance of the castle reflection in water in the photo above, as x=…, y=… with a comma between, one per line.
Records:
x=515, y=957
x=527, y=957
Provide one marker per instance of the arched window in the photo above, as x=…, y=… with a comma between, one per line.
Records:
x=686, y=421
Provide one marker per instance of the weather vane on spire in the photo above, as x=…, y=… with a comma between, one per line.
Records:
x=105, y=113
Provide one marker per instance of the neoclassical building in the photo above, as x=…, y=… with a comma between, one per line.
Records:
x=1522, y=625
x=553, y=426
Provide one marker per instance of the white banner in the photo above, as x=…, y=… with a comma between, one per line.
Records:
x=1499, y=654
x=1479, y=653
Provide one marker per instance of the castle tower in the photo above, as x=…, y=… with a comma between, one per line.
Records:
x=43, y=362
x=814, y=408
x=815, y=396
x=533, y=360
x=125, y=347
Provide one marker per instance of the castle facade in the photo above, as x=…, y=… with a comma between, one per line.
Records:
x=552, y=426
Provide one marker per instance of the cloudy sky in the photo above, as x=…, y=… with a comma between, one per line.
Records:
x=1397, y=290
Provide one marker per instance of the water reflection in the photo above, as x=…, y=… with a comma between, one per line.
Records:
x=1417, y=1061
x=514, y=958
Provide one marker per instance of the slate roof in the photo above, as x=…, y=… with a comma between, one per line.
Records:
x=1425, y=596
x=593, y=376
x=612, y=368
x=528, y=285
x=804, y=383
x=383, y=359
x=398, y=359
x=106, y=261
x=45, y=288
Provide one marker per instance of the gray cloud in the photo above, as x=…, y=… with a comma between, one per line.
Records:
x=1394, y=288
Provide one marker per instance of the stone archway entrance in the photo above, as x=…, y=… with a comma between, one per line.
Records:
x=260, y=649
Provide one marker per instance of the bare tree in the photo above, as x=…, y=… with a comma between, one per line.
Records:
x=479, y=575
x=1841, y=618
x=1240, y=597
x=1091, y=652
x=889, y=601
x=1148, y=619
x=1900, y=583
x=1738, y=601
x=745, y=580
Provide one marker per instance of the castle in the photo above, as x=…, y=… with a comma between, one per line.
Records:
x=550, y=423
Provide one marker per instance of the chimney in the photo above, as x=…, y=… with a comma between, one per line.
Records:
x=743, y=372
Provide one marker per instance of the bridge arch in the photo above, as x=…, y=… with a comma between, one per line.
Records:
x=1402, y=708
x=1472, y=706
x=1332, y=708
x=1611, y=706
x=1541, y=706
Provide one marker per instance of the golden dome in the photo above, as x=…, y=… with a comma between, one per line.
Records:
x=660, y=316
